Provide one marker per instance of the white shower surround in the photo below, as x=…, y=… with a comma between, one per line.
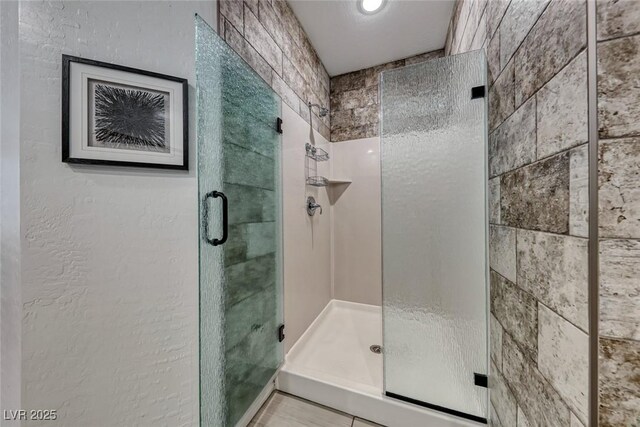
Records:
x=356, y=224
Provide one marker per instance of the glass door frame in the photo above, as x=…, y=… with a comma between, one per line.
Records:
x=480, y=378
x=222, y=130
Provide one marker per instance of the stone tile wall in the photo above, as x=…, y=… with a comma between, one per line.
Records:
x=269, y=37
x=538, y=187
x=619, y=210
x=354, y=99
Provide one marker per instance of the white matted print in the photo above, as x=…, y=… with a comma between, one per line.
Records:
x=122, y=116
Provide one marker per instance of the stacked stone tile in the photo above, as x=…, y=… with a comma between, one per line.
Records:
x=538, y=165
x=354, y=99
x=269, y=37
x=538, y=184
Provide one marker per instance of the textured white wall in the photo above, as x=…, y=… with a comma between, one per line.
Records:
x=109, y=254
x=10, y=308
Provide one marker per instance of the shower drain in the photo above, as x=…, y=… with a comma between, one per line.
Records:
x=376, y=349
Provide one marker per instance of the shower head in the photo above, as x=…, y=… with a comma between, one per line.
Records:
x=322, y=111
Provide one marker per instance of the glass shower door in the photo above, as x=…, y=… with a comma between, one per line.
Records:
x=434, y=226
x=240, y=231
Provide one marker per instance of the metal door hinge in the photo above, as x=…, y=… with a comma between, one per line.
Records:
x=281, y=333
x=480, y=380
x=279, y=125
x=477, y=92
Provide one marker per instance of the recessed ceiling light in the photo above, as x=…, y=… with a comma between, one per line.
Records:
x=369, y=7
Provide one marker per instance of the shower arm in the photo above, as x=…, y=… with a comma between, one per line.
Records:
x=322, y=111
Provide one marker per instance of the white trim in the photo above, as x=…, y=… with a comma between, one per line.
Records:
x=376, y=408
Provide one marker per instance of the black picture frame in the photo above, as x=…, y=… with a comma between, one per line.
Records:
x=67, y=61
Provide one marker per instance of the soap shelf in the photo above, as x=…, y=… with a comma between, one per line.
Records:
x=315, y=153
x=318, y=155
x=317, y=181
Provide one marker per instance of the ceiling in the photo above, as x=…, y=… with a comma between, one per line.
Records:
x=348, y=40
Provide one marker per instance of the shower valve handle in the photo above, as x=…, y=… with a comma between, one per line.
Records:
x=312, y=206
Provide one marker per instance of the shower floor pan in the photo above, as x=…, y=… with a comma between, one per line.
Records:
x=333, y=364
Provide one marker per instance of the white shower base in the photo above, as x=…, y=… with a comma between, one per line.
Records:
x=332, y=364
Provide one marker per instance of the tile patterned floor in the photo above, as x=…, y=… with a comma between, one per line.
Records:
x=284, y=410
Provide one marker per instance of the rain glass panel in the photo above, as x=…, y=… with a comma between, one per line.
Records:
x=240, y=280
x=434, y=233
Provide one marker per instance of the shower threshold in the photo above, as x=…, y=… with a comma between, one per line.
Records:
x=332, y=364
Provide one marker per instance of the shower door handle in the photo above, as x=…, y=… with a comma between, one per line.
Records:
x=225, y=220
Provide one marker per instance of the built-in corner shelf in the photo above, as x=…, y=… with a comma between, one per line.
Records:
x=335, y=181
x=321, y=181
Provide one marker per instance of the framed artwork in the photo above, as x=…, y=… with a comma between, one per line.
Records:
x=115, y=115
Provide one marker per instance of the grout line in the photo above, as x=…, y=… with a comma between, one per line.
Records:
x=535, y=366
x=564, y=151
x=481, y=15
x=528, y=32
x=496, y=33
x=618, y=138
x=551, y=233
x=500, y=370
x=542, y=303
x=533, y=94
x=244, y=21
x=536, y=299
x=493, y=81
x=611, y=337
x=500, y=22
x=464, y=30
x=606, y=238
x=634, y=34
x=583, y=49
x=475, y=34
x=494, y=409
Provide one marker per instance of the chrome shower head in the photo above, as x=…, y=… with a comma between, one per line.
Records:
x=322, y=111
